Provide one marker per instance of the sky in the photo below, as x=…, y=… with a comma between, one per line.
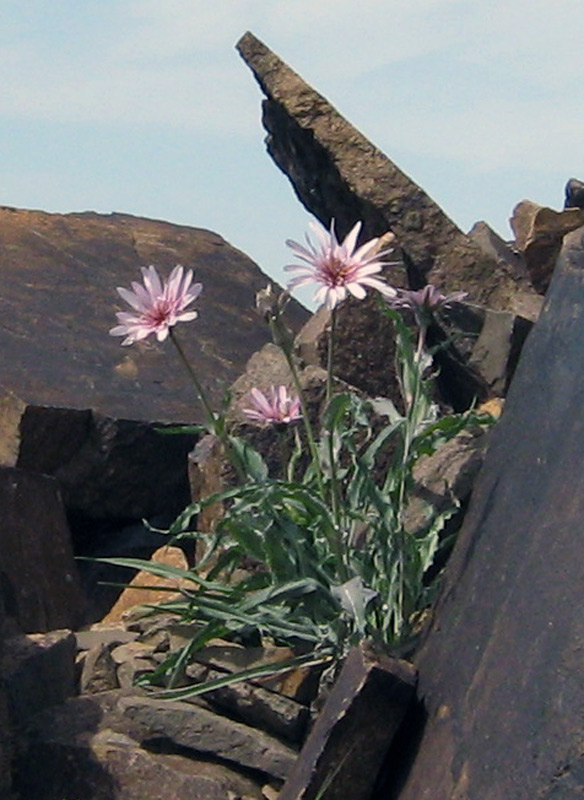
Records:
x=144, y=106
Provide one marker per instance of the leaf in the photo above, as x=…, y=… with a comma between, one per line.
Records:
x=353, y=597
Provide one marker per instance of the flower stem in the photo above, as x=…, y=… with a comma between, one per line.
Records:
x=211, y=418
x=215, y=424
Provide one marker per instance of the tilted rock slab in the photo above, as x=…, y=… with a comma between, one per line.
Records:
x=58, y=275
x=187, y=725
x=501, y=671
x=337, y=173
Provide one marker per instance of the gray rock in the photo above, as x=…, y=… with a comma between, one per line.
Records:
x=109, y=636
x=199, y=730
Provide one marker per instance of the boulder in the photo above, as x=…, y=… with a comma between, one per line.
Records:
x=500, y=672
x=59, y=273
x=39, y=582
x=107, y=468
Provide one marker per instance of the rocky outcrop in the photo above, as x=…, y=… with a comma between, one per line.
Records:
x=336, y=172
x=59, y=273
x=500, y=676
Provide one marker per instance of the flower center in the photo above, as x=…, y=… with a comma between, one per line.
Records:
x=337, y=272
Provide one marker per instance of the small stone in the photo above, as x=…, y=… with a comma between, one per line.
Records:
x=99, y=671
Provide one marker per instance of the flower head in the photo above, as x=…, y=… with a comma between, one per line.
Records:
x=276, y=407
x=424, y=302
x=339, y=267
x=158, y=305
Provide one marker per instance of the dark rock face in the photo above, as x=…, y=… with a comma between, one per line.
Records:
x=58, y=302
x=39, y=583
x=336, y=172
x=500, y=673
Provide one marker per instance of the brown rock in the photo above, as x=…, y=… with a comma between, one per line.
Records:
x=254, y=705
x=39, y=580
x=353, y=732
x=147, y=588
x=539, y=233
x=336, y=172
x=106, y=468
x=62, y=269
x=38, y=671
x=187, y=725
x=500, y=673
x=85, y=749
x=99, y=671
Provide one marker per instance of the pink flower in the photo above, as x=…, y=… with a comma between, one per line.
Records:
x=425, y=301
x=339, y=268
x=157, y=305
x=278, y=407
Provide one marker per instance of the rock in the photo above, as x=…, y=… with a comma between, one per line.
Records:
x=73, y=753
x=539, y=233
x=299, y=684
x=99, y=671
x=106, y=467
x=500, y=673
x=7, y=745
x=38, y=671
x=71, y=264
x=148, y=588
x=254, y=705
x=336, y=172
x=38, y=576
x=104, y=634
x=188, y=726
x=353, y=732
x=445, y=478
x=574, y=194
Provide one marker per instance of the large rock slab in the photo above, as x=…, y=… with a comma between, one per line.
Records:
x=58, y=274
x=500, y=674
x=336, y=172
x=39, y=582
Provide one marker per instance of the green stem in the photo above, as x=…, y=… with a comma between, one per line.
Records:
x=330, y=352
x=215, y=425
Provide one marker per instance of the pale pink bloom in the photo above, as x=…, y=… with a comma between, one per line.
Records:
x=278, y=406
x=158, y=305
x=339, y=267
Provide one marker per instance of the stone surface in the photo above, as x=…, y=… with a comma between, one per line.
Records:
x=99, y=672
x=6, y=734
x=38, y=575
x=187, y=725
x=38, y=671
x=353, y=732
x=62, y=270
x=539, y=233
x=254, y=705
x=84, y=750
x=147, y=588
x=501, y=669
x=445, y=478
x=336, y=172
x=574, y=195
x=106, y=467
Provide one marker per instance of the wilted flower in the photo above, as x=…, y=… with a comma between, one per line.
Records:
x=425, y=302
x=278, y=406
x=270, y=303
x=157, y=305
x=338, y=267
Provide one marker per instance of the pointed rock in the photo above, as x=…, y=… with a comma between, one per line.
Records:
x=337, y=173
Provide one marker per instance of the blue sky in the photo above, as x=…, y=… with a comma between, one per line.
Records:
x=144, y=106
